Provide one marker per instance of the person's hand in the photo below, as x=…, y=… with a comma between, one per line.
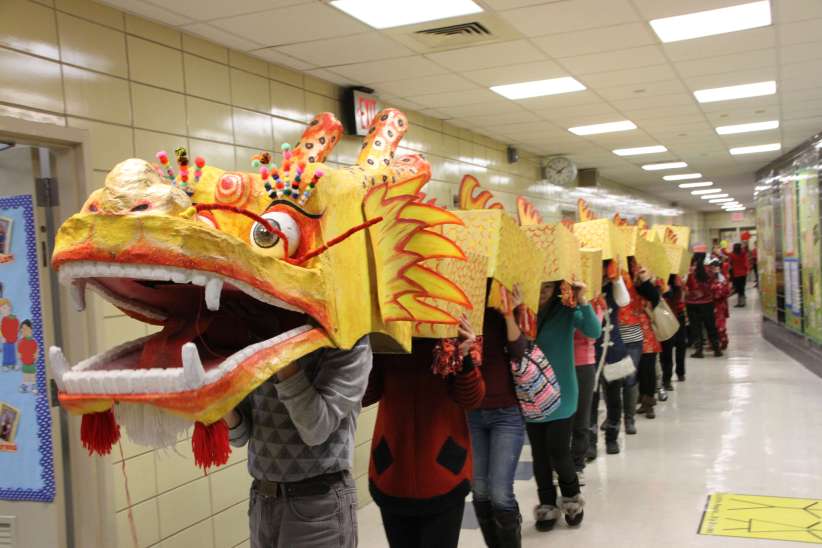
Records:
x=232, y=419
x=579, y=293
x=643, y=275
x=516, y=297
x=467, y=337
x=288, y=371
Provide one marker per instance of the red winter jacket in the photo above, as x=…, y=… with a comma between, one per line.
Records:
x=421, y=448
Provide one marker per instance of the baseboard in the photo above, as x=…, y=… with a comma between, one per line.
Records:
x=795, y=345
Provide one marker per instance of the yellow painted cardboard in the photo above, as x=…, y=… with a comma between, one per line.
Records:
x=602, y=234
x=652, y=256
x=683, y=234
x=679, y=258
x=512, y=256
x=628, y=238
x=590, y=267
x=561, y=248
x=762, y=517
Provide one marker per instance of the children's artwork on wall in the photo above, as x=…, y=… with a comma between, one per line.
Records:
x=25, y=420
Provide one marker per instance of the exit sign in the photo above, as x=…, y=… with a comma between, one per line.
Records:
x=737, y=216
x=366, y=107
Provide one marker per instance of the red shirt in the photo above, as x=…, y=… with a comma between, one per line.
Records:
x=739, y=264
x=496, y=364
x=9, y=327
x=699, y=292
x=27, y=349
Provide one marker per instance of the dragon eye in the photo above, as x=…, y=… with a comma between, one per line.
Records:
x=284, y=223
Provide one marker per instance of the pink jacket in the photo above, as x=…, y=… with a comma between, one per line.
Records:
x=584, y=351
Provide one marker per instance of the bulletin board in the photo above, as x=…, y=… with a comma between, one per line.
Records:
x=810, y=259
x=766, y=258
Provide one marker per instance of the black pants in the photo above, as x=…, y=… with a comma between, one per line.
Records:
x=551, y=451
x=582, y=418
x=739, y=285
x=431, y=531
x=701, y=316
x=677, y=344
x=647, y=374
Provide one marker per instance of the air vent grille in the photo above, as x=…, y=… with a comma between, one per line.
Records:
x=7, y=532
x=473, y=28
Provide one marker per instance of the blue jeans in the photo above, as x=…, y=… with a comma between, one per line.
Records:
x=497, y=436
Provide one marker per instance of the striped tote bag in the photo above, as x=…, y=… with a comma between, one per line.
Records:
x=535, y=384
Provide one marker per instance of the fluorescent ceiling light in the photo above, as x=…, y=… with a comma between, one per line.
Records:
x=714, y=195
x=538, y=88
x=609, y=127
x=666, y=165
x=770, y=147
x=636, y=151
x=709, y=191
x=383, y=14
x=721, y=200
x=747, y=128
x=742, y=91
x=682, y=176
x=731, y=205
x=741, y=208
x=696, y=185
x=711, y=22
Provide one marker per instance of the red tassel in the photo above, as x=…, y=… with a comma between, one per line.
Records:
x=210, y=444
x=99, y=432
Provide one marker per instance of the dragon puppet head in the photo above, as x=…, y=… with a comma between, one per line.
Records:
x=242, y=273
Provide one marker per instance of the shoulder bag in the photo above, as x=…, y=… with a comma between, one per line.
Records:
x=535, y=384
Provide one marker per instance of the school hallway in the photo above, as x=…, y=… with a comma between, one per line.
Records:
x=747, y=423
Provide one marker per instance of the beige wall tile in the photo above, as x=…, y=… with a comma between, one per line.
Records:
x=238, y=454
x=286, y=131
x=96, y=95
x=92, y=46
x=231, y=526
x=140, y=476
x=155, y=64
x=32, y=115
x=209, y=120
x=285, y=75
x=216, y=154
x=242, y=158
x=229, y=486
x=130, y=449
x=363, y=496
x=246, y=62
x=119, y=330
x=110, y=144
x=28, y=27
x=29, y=81
x=314, y=104
x=207, y=79
x=145, y=523
x=204, y=48
x=246, y=544
x=158, y=109
x=323, y=87
x=183, y=507
x=176, y=469
x=199, y=535
x=93, y=12
x=149, y=143
x=365, y=423
x=362, y=456
x=152, y=31
x=252, y=129
x=249, y=91
x=288, y=102
x=347, y=150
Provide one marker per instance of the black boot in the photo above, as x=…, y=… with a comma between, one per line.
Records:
x=508, y=524
x=591, y=452
x=488, y=526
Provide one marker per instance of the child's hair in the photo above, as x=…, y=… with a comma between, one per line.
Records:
x=26, y=323
x=4, y=302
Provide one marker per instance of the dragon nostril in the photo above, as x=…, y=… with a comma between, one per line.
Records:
x=140, y=207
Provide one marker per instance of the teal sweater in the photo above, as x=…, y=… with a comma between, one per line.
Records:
x=555, y=338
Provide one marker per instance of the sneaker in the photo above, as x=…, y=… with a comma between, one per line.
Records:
x=630, y=426
x=581, y=477
x=545, y=517
x=698, y=354
x=556, y=479
x=612, y=447
x=662, y=394
x=572, y=508
x=669, y=387
x=717, y=353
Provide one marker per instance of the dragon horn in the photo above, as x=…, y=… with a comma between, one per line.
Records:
x=386, y=132
x=319, y=138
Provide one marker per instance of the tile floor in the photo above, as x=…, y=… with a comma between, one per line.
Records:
x=748, y=423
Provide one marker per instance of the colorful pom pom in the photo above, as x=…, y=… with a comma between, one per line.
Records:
x=199, y=161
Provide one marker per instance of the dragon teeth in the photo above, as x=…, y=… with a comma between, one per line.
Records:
x=193, y=372
x=78, y=294
x=213, y=289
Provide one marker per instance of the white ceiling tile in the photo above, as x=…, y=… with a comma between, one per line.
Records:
x=325, y=74
x=731, y=78
x=807, y=70
x=204, y=10
x=359, y=48
x=389, y=69
x=645, y=89
x=572, y=15
x=603, y=111
x=614, y=60
x=796, y=53
x=523, y=72
x=796, y=10
x=291, y=24
x=800, y=95
x=563, y=100
x=487, y=56
x=582, y=42
x=399, y=102
x=752, y=113
x=221, y=37
x=655, y=9
x=165, y=15
x=638, y=76
x=722, y=44
x=462, y=97
x=811, y=125
x=425, y=85
x=800, y=32
x=680, y=111
x=722, y=63
x=274, y=56
x=642, y=102
x=477, y=109
x=500, y=5
x=503, y=119
x=750, y=104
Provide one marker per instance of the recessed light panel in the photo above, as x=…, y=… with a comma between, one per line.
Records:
x=609, y=127
x=383, y=14
x=665, y=165
x=712, y=196
x=636, y=151
x=538, y=88
x=696, y=185
x=721, y=200
x=682, y=176
x=747, y=128
x=711, y=22
x=770, y=147
x=708, y=191
x=741, y=91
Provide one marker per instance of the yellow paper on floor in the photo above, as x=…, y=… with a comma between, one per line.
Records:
x=763, y=517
